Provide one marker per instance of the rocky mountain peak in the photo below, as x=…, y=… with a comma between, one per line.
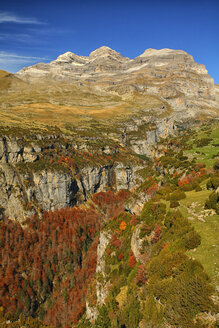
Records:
x=102, y=51
x=163, y=52
x=166, y=55
x=70, y=57
x=106, y=52
x=167, y=73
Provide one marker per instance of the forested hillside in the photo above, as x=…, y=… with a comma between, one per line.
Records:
x=113, y=262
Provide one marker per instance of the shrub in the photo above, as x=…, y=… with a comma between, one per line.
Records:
x=174, y=203
x=187, y=187
x=177, y=195
x=213, y=202
x=123, y=226
x=200, y=165
x=121, y=256
x=152, y=313
x=152, y=212
x=142, y=233
x=203, y=142
x=157, y=233
x=192, y=240
x=145, y=230
x=103, y=320
x=216, y=165
x=141, y=275
x=162, y=192
x=130, y=314
x=198, y=188
x=213, y=183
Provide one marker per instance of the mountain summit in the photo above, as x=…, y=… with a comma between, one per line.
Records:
x=170, y=74
x=70, y=57
x=162, y=52
x=103, y=51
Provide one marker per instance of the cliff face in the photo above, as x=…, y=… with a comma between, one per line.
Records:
x=145, y=146
x=101, y=285
x=27, y=186
x=23, y=194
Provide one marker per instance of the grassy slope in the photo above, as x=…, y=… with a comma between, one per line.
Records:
x=206, y=224
x=192, y=207
x=205, y=154
x=59, y=103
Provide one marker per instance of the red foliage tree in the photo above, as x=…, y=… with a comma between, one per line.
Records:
x=132, y=259
x=157, y=233
x=152, y=189
x=141, y=275
x=53, y=257
x=110, y=203
x=121, y=256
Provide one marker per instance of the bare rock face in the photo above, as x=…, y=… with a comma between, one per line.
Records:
x=25, y=192
x=102, y=286
x=173, y=75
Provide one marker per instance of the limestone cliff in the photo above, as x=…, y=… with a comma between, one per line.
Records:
x=30, y=183
x=101, y=282
x=23, y=192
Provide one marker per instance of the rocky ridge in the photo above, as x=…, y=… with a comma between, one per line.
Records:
x=172, y=75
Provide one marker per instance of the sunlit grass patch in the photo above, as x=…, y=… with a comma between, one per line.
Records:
x=207, y=252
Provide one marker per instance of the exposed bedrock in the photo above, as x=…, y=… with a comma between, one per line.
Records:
x=28, y=191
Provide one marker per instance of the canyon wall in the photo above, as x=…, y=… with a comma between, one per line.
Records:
x=24, y=192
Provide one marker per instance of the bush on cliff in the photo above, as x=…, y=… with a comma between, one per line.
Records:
x=177, y=195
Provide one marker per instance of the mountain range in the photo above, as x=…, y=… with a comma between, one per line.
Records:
x=105, y=82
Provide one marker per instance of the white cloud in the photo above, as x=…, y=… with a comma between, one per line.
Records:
x=6, y=17
x=9, y=56
x=21, y=37
x=13, y=62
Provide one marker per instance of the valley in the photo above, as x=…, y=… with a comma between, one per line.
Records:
x=109, y=196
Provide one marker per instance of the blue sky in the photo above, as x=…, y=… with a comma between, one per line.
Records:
x=39, y=31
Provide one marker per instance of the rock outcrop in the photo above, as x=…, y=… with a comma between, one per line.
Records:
x=101, y=283
x=27, y=186
x=145, y=145
x=23, y=194
x=26, y=191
